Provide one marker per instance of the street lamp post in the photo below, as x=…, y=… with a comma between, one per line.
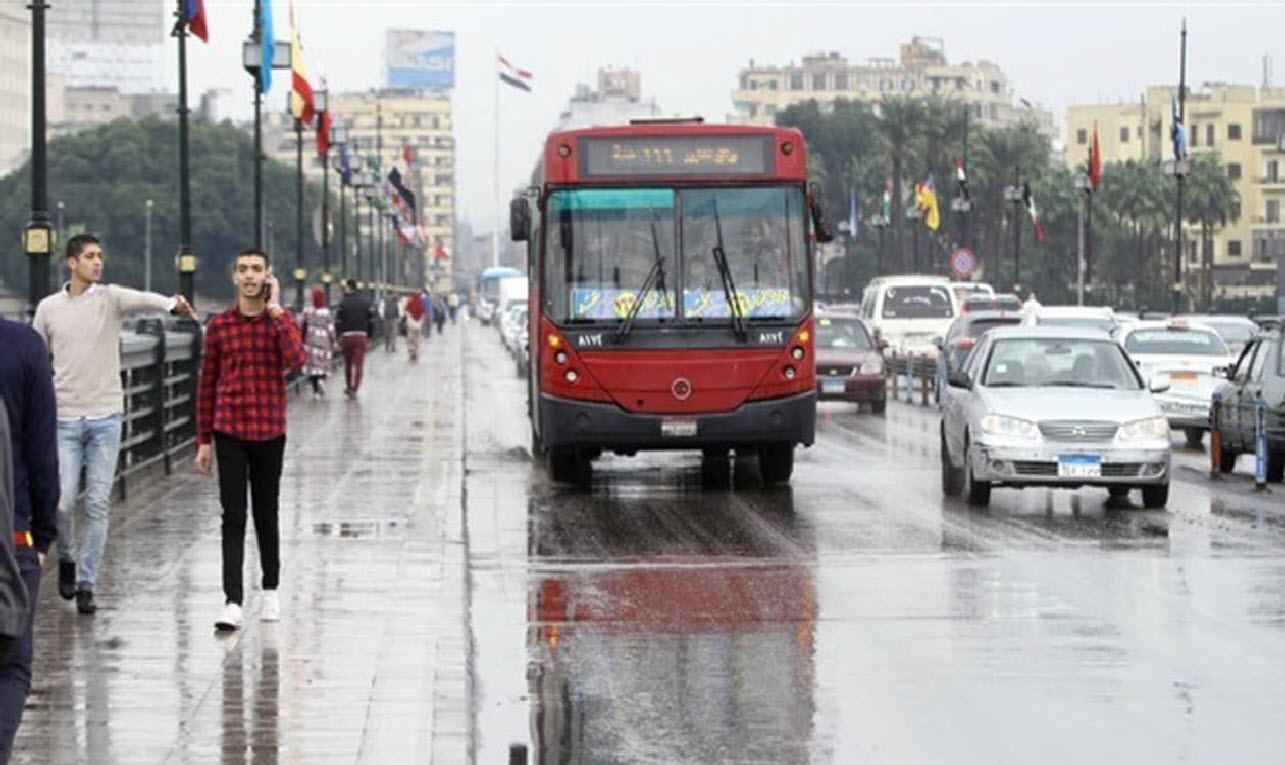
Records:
x=1179, y=170
x=300, y=274
x=252, y=62
x=1084, y=188
x=37, y=239
x=879, y=223
x=338, y=137
x=186, y=259
x=912, y=216
x=147, y=247
x=1013, y=194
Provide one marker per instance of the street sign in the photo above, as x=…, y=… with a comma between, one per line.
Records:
x=963, y=262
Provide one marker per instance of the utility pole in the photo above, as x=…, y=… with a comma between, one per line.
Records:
x=1014, y=194
x=1180, y=172
x=147, y=248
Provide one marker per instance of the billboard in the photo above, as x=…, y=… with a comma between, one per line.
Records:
x=420, y=59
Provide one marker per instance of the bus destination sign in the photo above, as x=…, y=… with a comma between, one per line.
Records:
x=628, y=156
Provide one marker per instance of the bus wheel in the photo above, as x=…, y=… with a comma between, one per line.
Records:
x=568, y=465
x=776, y=463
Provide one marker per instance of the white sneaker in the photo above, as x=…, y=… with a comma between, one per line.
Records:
x=270, y=608
x=230, y=619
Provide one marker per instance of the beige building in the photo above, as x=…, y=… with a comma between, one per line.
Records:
x=920, y=70
x=391, y=120
x=15, y=85
x=1245, y=127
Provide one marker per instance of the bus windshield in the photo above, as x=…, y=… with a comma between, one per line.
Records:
x=602, y=245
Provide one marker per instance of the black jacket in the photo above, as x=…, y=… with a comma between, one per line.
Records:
x=355, y=315
x=27, y=390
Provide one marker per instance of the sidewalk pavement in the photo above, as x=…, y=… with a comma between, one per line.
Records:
x=368, y=662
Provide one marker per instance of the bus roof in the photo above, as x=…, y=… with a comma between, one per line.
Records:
x=496, y=272
x=663, y=152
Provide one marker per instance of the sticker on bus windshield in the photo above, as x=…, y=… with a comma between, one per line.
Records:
x=608, y=304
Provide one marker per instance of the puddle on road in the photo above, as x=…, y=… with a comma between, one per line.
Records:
x=374, y=529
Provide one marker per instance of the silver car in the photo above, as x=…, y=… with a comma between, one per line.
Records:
x=1053, y=406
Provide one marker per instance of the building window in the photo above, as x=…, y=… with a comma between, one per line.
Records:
x=773, y=85
x=769, y=110
x=1124, y=135
x=1195, y=135
x=907, y=84
x=960, y=83
x=1234, y=212
x=752, y=110
x=885, y=84
x=994, y=112
x=1273, y=171
x=1233, y=171
x=1273, y=211
x=1082, y=136
x=1233, y=248
x=796, y=81
x=841, y=82
x=1233, y=132
x=818, y=82
x=1209, y=134
x=995, y=86
x=1268, y=126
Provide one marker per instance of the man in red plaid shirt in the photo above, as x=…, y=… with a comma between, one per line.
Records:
x=241, y=417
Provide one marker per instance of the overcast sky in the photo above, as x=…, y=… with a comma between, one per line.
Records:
x=689, y=54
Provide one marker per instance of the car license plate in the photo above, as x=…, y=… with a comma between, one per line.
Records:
x=1079, y=466
x=1182, y=379
x=832, y=386
x=677, y=428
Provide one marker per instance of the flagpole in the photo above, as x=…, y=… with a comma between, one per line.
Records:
x=258, y=129
x=1178, y=173
x=1079, y=280
x=298, y=216
x=495, y=134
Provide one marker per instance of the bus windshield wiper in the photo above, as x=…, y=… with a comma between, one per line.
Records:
x=729, y=286
x=655, y=278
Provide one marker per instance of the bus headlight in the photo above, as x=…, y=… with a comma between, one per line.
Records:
x=572, y=375
x=797, y=353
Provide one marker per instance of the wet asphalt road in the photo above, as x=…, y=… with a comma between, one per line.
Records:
x=858, y=616
x=443, y=601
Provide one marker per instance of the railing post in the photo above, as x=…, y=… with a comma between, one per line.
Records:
x=910, y=378
x=1215, y=438
x=924, y=381
x=1260, y=444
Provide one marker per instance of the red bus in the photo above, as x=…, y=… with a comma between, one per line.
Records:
x=671, y=267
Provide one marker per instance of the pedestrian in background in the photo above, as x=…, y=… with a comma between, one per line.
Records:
x=319, y=341
x=390, y=316
x=241, y=419
x=439, y=312
x=81, y=324
x=355, y=324
x=414, y=324
x=28, y=508
x=453, y=304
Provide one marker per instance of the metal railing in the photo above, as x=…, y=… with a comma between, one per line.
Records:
x=912, y=376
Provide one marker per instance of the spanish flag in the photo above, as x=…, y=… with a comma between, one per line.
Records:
x=302, y=105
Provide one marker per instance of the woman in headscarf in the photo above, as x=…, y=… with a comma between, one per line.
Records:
x=414, y=324
x=319, y=341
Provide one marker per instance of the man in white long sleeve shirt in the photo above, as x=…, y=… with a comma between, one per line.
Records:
x=81, y=324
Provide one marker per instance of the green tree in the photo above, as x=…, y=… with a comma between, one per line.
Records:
x=103, y=177
x=1211, y=198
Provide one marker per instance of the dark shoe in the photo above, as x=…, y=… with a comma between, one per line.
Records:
x=85, y=602
x=67, y=579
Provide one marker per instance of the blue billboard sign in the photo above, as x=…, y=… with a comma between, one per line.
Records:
x=420, y=59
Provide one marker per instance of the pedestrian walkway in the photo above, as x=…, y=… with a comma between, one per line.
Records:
x=368, y=661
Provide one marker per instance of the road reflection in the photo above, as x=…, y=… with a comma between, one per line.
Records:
x=678, y=629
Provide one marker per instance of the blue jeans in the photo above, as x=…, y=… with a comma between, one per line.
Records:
x=15, y=658
x=95, y=446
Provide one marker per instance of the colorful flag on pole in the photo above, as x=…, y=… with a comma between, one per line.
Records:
x=961, y=179
x=511, y=75
x=1029, y=200
x=852, y=214
x=1095, y=161
x=407, y=196
x=267, y=43
x=1178, y=133
x=323, y=135
x=195, y=18
x=926, y=202
x=302, y=105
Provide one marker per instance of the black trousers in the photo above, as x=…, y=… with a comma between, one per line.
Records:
x=15, y=658
x=259, y=464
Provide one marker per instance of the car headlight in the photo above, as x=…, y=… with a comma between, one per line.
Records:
x=873, y=365
x=1145, y=430
x=1012, y=427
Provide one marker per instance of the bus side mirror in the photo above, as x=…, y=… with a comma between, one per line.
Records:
x=519, y=220
x=824, y=230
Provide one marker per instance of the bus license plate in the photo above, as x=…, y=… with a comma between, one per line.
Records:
x=678, y=428
x=1079, y=466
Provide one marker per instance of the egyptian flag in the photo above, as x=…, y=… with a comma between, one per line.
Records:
x=194, y=12
x=1029, y=201
x=1178, y=133
x=511, y=75
x=302, y=105
x=407, y=196
x=961, y=179
x=1095, y=161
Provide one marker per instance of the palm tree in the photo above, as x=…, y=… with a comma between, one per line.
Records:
x=899, y=121
x=1212, y=197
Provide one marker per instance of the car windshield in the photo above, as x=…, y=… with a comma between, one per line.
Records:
x=1059, y=363
x=1176, y=342
x=1083, y=322
x=917, y=301
x=602, y=247
x=846, y=334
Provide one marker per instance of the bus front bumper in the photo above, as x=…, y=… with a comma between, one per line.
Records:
x=564, y=422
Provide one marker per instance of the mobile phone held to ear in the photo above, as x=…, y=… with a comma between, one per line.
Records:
x=265, y=290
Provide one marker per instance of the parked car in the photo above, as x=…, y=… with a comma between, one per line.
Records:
x=849, y=362
x=511, y=322
x=523, y=352
x=1235, y=331
x=1258, y=372
x=962, y=337
x=1193, y=356
x=1053, y=406
x=909, y=311
x=965, y=291
x=1002, y=302
x=1089, y=317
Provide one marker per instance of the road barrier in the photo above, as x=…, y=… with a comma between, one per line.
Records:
x=912, y=373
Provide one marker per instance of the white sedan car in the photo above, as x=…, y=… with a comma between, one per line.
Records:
x=1053, y=406
x=1193, y=355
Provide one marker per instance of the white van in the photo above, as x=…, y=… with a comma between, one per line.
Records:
x=909, y=311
